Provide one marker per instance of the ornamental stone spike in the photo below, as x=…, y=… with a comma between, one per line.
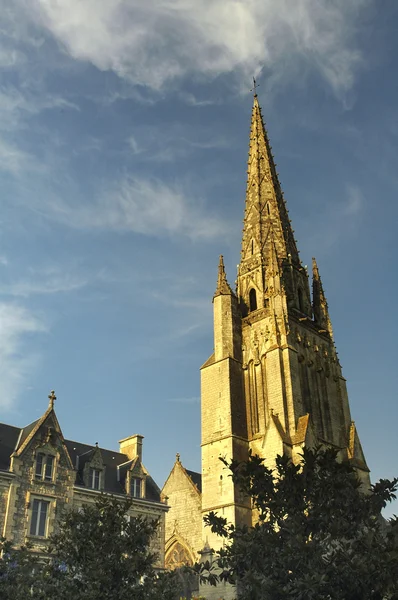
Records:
x=223, y=287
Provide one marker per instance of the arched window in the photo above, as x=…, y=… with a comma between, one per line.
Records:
x=177, y=556
x=252, y=300
x=300, y=299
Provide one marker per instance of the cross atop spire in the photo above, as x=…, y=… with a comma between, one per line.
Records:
x=255, y=86
x=223, y=287
x=52, y=397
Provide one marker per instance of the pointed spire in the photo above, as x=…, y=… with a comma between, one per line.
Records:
x=320, y=305
x=223, y=287
x=265, y=206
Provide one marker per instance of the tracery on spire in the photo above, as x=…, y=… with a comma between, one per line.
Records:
x=265, y=206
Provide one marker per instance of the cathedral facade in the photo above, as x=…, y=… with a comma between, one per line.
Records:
x=274, y=382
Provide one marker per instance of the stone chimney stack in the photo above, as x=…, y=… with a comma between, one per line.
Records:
x=132, y=446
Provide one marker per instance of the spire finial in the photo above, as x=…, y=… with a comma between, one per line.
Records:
x=52, y=397
x=223, y=287
x=178, y=457
x=255, y=86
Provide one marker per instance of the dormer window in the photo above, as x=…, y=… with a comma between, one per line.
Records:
x=44, y=467
x=136, y=487
x=95, y=479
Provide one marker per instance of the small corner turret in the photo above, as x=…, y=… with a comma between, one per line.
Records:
x=319, y=302
x=223, y=287
x=227, y=319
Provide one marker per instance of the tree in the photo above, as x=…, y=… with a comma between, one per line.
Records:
x=318, y=536
x=98, y=553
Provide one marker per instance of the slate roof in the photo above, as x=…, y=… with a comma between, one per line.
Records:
x=196, y=478
x=10, y=436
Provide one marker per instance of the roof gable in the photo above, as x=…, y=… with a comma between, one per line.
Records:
x=194, y=479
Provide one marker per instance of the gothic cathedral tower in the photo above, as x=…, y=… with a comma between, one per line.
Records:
x=274, y=382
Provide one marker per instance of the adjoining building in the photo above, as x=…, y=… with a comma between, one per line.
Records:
x=42, y=474
x=274, y=382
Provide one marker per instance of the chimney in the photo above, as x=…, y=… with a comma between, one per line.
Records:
x=132, y=446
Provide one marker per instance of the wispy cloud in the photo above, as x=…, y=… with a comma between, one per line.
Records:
x=354, y=200
x=146, y=206
x=18, y=104
x=337, y=221
x=170, y=144
x=13, y=159
x=153, y=43
x=3, y=260
x=42, y=282
x=16, y=362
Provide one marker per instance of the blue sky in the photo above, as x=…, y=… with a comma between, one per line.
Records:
x=123, y=145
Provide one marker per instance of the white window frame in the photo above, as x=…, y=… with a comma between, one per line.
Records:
x=46, y=459
x=133, y=487
x=41, y=503
x=92, y=475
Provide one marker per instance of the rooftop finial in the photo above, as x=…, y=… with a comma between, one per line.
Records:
x=178, y=457
x=255, y=86
x=52, y=397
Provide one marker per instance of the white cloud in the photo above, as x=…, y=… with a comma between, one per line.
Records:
x=146, y=206
x=335, y=222
x=50, y=281
x=354, y=203
x=16, y=322
x=15, y=105
x=12, y=159
x=172, y=144
x=152, y=43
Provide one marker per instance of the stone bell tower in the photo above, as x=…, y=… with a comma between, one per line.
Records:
x=274, y=382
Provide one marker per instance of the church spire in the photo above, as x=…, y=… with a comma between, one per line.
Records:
x=265, y=206
x=223, y=287
x=267, y=225
x=320, y=305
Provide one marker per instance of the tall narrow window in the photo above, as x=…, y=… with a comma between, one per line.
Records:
x=38, y=523
x=44, y=466
x=136, y=487
x=48, y=471
x=252, y=299
x=252, y=247
x=39, y=465
x=95, y=477
x=268, y=210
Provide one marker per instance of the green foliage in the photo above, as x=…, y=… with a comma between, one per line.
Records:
x=97, y=554
x=318, y=535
